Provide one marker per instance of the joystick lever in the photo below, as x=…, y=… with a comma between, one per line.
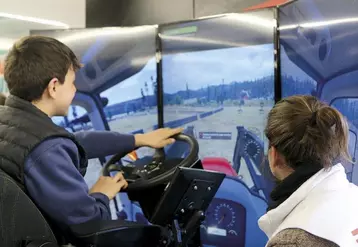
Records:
x=191, y=228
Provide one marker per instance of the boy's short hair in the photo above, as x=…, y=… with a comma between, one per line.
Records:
x=33, y=62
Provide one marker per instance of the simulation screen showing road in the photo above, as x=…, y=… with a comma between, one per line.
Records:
x=211, y=93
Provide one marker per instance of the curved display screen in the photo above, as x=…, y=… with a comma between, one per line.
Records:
x=218, y=74
x=317, y=39
x=218, y=83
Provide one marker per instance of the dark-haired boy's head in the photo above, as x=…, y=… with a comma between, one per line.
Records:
x=42, y=70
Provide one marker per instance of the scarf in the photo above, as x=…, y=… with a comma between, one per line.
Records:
x=286, y=187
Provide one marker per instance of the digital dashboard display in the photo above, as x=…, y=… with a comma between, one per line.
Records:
x=217, y=231
x=225, y=219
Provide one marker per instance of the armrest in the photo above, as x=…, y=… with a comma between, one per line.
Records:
x=119, y=233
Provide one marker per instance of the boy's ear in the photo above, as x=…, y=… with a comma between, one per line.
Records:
x=52, y=87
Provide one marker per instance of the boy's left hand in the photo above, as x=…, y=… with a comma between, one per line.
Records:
x=158, y=138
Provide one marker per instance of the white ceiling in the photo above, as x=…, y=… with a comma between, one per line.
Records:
x=32, y=14
x=12, y=28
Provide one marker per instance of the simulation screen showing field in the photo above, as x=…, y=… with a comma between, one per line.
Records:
x=210, y=93
x=132, y=103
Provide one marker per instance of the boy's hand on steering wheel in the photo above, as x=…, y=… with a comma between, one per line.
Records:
x=109, y=186
x=158, y=138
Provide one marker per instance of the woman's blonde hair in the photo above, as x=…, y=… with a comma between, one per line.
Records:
x=307, y=131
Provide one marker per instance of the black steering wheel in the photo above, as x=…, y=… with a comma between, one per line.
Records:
x=152, y=171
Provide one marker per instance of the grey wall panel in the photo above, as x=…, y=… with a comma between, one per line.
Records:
x=102, y=13
x=214, y=7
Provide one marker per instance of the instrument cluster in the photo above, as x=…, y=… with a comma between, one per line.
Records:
x=225, y=224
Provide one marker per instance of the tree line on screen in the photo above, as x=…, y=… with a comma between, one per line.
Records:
x=262, y=88
x=292, y=86
x=258, y=89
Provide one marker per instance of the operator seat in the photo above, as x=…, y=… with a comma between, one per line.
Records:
x=22, y=224
x=20, y=220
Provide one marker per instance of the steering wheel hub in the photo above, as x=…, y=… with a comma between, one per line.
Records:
x=152, y=171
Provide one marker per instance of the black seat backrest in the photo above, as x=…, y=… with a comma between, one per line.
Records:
x=20, y=219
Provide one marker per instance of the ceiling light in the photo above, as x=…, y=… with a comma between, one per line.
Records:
x=320, y=23
x=35, y=20
x=5, y=44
